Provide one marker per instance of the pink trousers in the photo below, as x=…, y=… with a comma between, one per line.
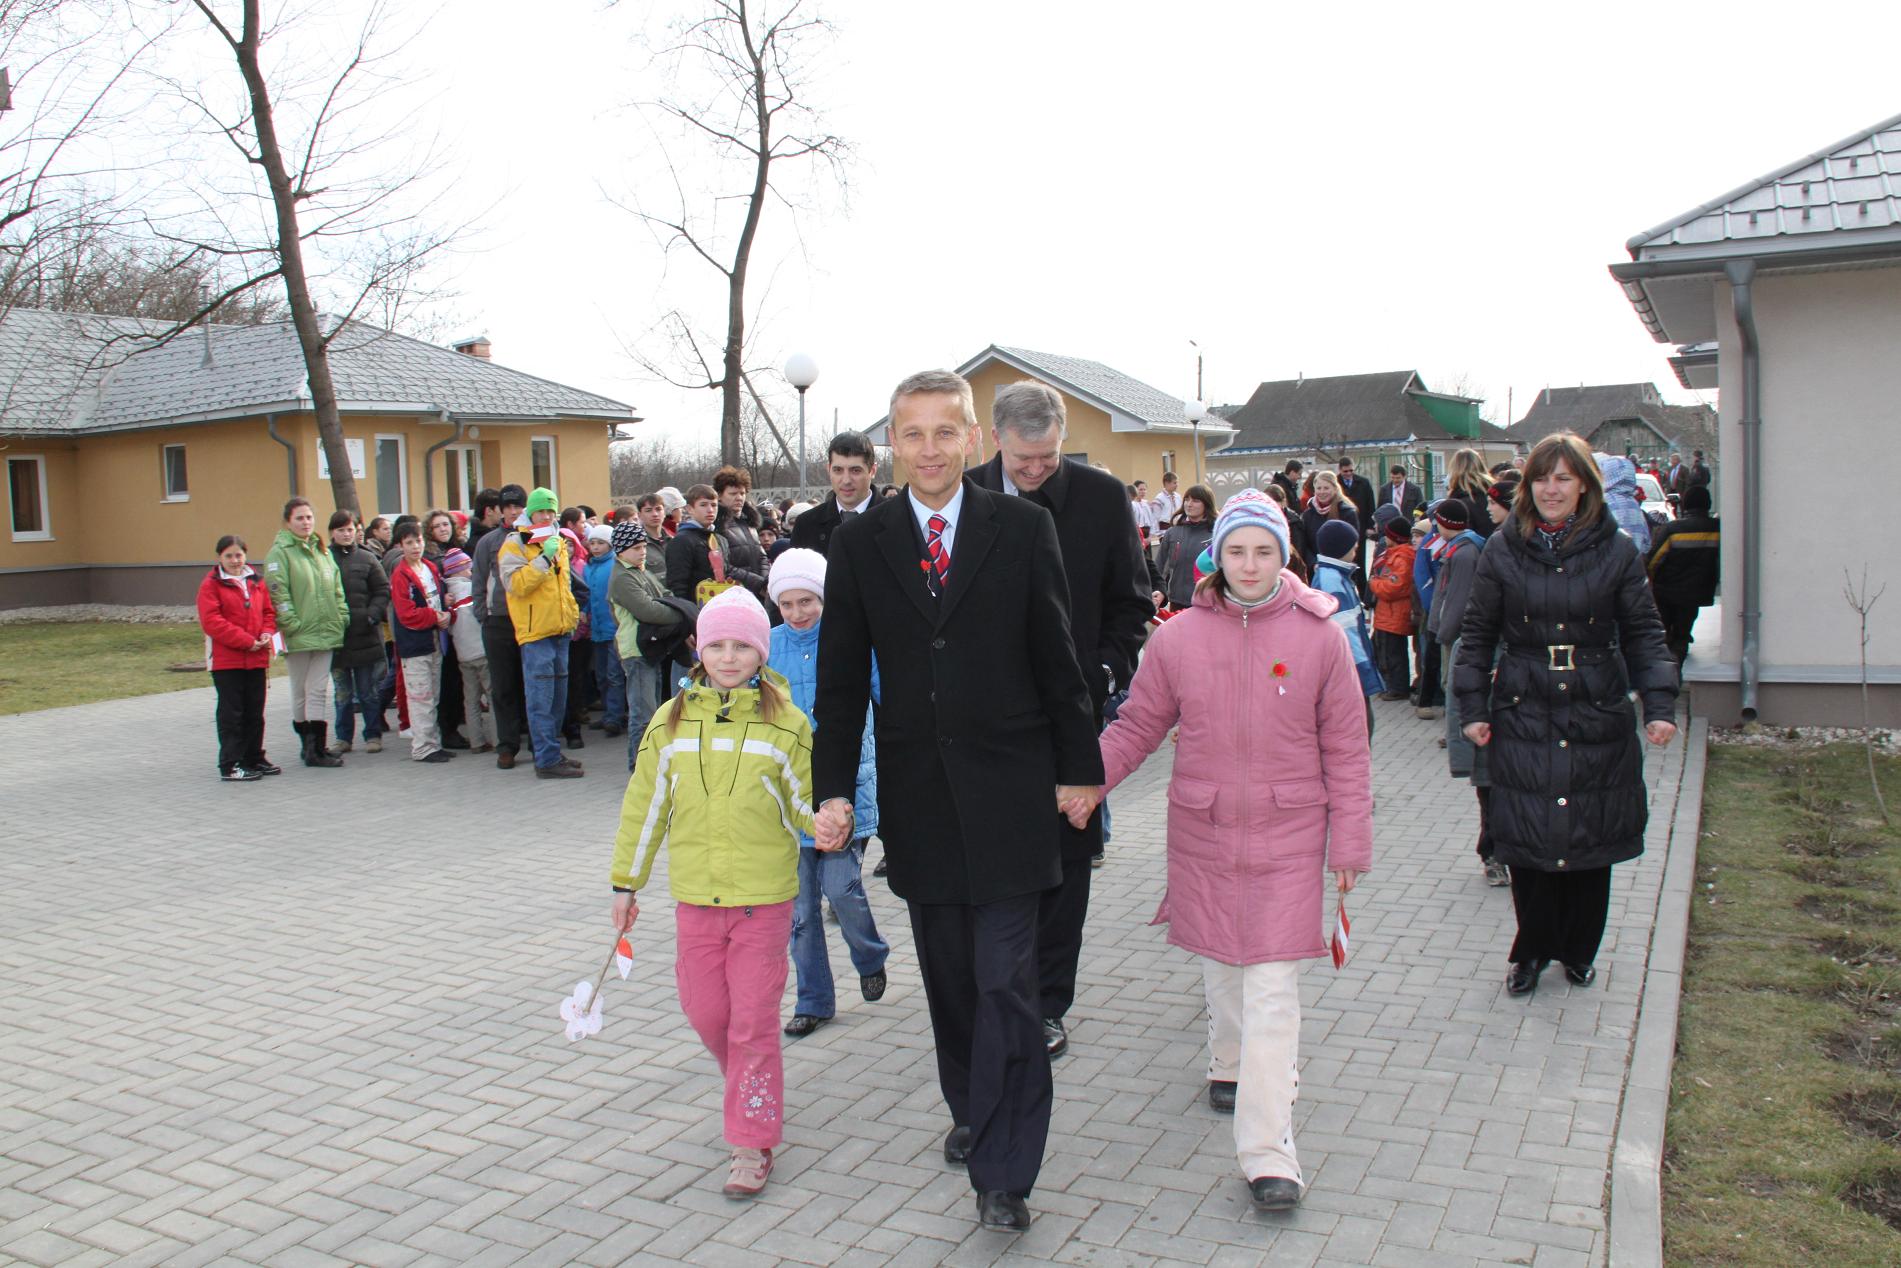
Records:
x=731, y=969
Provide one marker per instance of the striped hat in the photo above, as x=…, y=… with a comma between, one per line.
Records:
x=1250, y=508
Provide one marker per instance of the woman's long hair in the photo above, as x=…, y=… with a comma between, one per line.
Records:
x=772, y=698
x=1466, y=474
x=1340, y=497
x=1565, y=449
x=1201, y=494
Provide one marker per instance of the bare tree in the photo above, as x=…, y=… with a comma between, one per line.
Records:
x=739, y=72
x=320, y=208
x=1863, y=603
x=87, y=268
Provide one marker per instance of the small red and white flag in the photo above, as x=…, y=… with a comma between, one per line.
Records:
x=624, y=957
x=1342, y=929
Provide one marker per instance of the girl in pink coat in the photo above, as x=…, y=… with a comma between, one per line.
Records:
x=1272, y=788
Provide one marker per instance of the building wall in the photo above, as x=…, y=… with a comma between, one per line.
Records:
x=1830, y=381
x=1131, y=456
x=117, y=540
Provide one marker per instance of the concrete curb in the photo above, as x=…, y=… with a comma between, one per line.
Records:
x=1636, y=1205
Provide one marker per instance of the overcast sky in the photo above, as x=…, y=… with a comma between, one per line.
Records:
x=1344, y=189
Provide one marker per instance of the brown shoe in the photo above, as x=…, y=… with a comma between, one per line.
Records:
x=747, y=1176
x=505, y=759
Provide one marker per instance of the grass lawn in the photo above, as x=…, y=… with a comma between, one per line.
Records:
x=61, y=663
x=1783, y=1144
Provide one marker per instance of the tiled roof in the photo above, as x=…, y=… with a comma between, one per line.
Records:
x=1851, y=187
x=85, y=373
x=1584, y=409
x=1106, y=388
x=1344, y=409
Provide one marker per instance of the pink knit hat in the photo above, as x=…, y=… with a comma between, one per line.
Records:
x=735, y=614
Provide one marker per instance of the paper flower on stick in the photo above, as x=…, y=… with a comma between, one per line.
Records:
x=623, y=957
x=582, y=1013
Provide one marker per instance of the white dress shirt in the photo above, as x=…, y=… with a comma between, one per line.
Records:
x=951, y=512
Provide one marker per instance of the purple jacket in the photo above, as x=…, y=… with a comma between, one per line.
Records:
x=1272, y=786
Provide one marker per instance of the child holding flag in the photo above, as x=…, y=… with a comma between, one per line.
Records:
x=724, y=776
x=1272, y=788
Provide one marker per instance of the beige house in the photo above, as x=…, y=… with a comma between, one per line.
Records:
x=126, y=459
x=1796, y=280
x=1115, y=421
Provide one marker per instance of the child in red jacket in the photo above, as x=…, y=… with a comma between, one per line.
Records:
x=234, y=609
x=1392, y=584
x=416, y=598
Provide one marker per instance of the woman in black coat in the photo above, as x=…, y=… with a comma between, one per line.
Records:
x=1563, y=596
x=356, y=668
x=1183, y=543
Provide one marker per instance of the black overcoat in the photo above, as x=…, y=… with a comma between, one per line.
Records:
x=984, y=711
x=1109, y=604
x=1565, y=756
x=366, y=590
x=813, y=529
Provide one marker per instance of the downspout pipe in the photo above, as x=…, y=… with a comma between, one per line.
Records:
x=429, y=454
x=290, y=450
x=1741, y=275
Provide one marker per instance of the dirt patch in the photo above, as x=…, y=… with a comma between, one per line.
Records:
x=1839, y=909
x=1852, y=950
x=1825, y=843
x=1868, y=1045
x=1879, y=1195
x=1875, y=1113
x=1838, y=875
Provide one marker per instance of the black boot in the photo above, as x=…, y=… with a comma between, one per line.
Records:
x=317, y=736
x=303, y=741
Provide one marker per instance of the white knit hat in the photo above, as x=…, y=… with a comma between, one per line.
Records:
x=797, y=569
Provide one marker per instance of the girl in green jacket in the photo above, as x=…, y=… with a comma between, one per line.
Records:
x=312, y=613
x=724, y=776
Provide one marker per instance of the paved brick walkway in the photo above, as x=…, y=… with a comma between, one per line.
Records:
x=313, y=1021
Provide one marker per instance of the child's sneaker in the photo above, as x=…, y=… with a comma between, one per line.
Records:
x=373, y=745
x=747, y=1176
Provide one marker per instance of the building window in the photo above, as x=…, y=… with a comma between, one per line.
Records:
x=171, y=465
x=26, y=496
x=541, y=468
x=462, y=471
x=1168, y=461
x=392, y=477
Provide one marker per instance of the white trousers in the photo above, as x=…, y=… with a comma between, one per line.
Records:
x=422, y=681
x=1254, y=1043
x=309, y=685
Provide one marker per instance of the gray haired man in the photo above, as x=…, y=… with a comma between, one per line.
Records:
x=1109, y=612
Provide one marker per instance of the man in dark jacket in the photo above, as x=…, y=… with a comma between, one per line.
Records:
x=1401, y=493
x=1289, y=480
x=356, y=668
x=1109, y=612
x=505, y=686
x=986, y=727
x=1684, y=563
x=690, y=553
x=852, y=465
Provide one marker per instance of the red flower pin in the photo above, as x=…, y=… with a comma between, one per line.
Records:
x=1280, y=669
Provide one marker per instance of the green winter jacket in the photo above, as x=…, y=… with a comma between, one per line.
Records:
x=635, y=594
x=307, y=591
x=728, y=792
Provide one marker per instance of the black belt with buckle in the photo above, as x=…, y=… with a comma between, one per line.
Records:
x=1561, y=657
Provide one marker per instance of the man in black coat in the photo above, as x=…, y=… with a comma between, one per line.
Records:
x=1109, y=612
x=1289, y=480
x=1399, y=492
x=984, y=730
x=1359, y=491
x=852, y=465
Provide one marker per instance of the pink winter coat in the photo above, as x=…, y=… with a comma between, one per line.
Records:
x=1272, y=786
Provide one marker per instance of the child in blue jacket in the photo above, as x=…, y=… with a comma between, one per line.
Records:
x=797, y=585
x=610, y=679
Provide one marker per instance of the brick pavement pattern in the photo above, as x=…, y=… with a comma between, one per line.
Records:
x=313, y=1020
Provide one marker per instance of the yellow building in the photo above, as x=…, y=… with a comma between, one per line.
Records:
x=1121, y=423
x=127, y=458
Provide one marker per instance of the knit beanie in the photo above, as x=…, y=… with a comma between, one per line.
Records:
x=543, y=500
x=1337, y=539
x=1695, y=500
x=797, y=569
x=1250, y=508
x=734, y=613
x=600, y=533
x=627, y=534
x=455, y=561
x=1399, y=529
x=1452, y=513
x=1503, y=490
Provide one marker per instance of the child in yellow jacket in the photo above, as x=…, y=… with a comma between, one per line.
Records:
x=724, y=776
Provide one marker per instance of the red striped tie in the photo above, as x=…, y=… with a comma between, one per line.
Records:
x=934, y=545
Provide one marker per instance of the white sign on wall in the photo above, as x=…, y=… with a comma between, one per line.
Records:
x=355, y=448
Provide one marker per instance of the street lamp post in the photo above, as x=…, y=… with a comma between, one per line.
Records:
x=801, y=371
x=1195, y=412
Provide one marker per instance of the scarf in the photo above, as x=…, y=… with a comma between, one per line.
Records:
x=1553, y=535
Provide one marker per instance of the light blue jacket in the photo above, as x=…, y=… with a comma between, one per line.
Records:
x=598, y=575
x=795, y=656
x=1334, y=578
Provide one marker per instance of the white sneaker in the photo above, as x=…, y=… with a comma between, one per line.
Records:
x=747, y=1176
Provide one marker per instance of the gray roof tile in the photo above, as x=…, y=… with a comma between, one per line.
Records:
x=1094, y=381
x=83, y=372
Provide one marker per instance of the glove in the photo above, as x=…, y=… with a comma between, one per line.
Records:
x=552, y=548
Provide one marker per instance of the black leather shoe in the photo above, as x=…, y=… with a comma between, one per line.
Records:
x=957, y=1146
x=883, y=862
x=1221, y=1096
x=872, y=987
x=1580, y=974
x=264, y=767
x=453, y=739
x=1273, y=1193
x=803, y=1024
x=1055, y=1036
x=1005, y=1212
x=1523, y=978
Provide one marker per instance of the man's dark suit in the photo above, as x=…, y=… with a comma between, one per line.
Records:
x=1410, y=499
x=984, y=712
x=1109, y=611
x=813, y=529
